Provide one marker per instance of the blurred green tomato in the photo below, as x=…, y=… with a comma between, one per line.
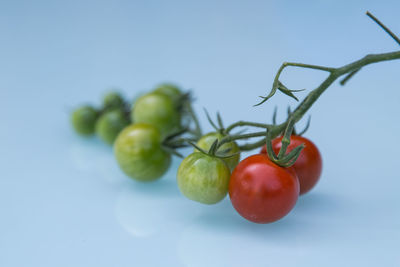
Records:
x=110, y=124
x=207, y=140
x=83, y=120
x=158, y=110
x=113, y=100
x=170, y=90
x=203, y=178
x=139, y=153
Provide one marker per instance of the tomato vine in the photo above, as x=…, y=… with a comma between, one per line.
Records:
x=286, y=127
x=263, y=187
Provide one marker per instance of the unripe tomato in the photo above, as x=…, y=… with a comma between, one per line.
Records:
x=207, y=140
x=139, y=153
x=110, y=124
x=170, y=90
x=203, y=178
x=308, y=166
x=261, y=191
x=113, y=100
x=83, y=120
x=158, y=110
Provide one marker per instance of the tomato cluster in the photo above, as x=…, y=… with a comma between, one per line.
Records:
x=136, y=130
x=308, y=166
x=263, y=187
x=263, y=192
x=148, y=131
x=106, y=121
x=260, y=190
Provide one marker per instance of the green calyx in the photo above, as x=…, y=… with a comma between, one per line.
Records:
x=218, y=128
x=209, y=144
x=228, y=152
x=283, y=159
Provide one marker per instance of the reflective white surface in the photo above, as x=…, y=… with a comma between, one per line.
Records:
x=63, y=200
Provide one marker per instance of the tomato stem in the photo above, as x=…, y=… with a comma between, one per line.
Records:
x=251, y=146
x=230, y=138
x=274, y=115
x=386, y=29
x=348, y=77
x=273, y=130
x=247, y=123
x=286, y=138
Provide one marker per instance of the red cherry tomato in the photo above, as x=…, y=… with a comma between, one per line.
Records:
x=261, y=191
x=308, y=166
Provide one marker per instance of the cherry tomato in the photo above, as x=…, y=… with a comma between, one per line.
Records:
x=170, y=90
x=83, y=120
x=203, y=178
x=158, y=110
x=261, y=191
x=207, y=140
x=110, y=124
x=308, y=166
x=113, y=100
x=139, y=153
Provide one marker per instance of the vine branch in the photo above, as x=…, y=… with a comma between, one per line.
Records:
x=334, y=73
x=271, y=131
x=386, y=29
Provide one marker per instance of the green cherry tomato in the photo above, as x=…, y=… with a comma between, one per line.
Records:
x=139, y=153
x=113, y=100
x=203, y=178
x=83, y=120
x=158, y=110
x=170, y=90
x=207, y=140
x=110, y=124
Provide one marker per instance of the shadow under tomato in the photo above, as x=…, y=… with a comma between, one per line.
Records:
x=320, y=204
x=147, y=209
x=223, y=218
x=230, y=240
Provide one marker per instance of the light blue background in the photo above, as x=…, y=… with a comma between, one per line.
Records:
x=63, y=200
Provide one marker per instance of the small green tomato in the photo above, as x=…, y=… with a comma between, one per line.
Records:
x=110, y=124
x=158, y=110
x=139, y=153
x=83, y=120
x=170, y=90
x=207, y=140
x=113, y=100
x=203, y=178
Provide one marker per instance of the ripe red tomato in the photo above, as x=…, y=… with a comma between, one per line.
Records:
x=308, y=166
x=261, y=191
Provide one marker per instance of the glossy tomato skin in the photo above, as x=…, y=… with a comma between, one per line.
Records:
x=158, y=110
x=206, y=141
x=110, y=124
x=261, y=191
x=139, y=153
x=170, y=90
x=203, y=178
x=308, y=166
x=84, y=119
